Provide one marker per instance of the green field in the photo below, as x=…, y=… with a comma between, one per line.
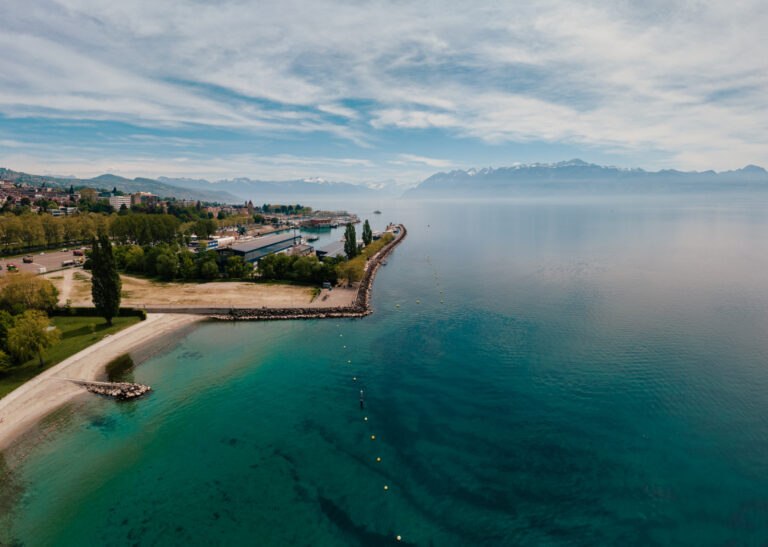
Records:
x=76, y=334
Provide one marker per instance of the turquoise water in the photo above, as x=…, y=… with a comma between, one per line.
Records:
x=596, y=374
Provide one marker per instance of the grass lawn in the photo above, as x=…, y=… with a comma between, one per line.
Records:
x=76, y=335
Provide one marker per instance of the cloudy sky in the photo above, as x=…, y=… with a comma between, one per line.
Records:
x=369, y=90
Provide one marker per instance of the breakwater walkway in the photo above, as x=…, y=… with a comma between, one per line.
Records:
x=359, y=308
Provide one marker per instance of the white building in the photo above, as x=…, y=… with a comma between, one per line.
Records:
x=119, y=201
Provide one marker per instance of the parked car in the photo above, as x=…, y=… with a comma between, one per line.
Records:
x=29, y=259
x=78, y=252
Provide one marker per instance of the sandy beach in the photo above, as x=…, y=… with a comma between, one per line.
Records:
x=26, y=405
x=74, y=285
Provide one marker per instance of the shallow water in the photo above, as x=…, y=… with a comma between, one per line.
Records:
x=597, y=373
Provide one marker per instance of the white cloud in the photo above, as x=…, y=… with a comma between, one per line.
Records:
x=432, y=162
x=686, y=78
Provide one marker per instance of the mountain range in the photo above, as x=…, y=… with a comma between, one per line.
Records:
x=574, y=176
x=271, y=191
x=577, y=175
x=126, y=185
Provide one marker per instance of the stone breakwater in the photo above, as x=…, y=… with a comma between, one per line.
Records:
x=122, y=391
x=360, y=308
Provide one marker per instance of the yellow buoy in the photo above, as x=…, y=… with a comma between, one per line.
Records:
x=366, y=418
x=399, y=538
x=345, y=347
x=386, y=487
x=418, y=301
x=355, y=379
x=373, y=436
x=378, y=459
x=441, y=301
x=348, y=361
x=341, y=335
x=397, y=305
x=441, y=292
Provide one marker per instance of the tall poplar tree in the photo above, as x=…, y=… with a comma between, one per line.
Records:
x=367, y=233
x=106, y=284
x=350, y=242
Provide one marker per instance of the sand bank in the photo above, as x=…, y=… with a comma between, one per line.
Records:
x=27, y=404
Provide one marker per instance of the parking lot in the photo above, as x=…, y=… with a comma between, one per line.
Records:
x=49, y=260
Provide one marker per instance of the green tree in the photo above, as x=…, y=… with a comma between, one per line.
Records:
x=25, y=291
x=31, y=335
x=367, y=233
x=209, y=270
x=134, y=259
x=167, y=265
x=350, y=242
x=5, y=360
x=7, y=322
x=106, y=284
x=187, y=267
x=236, y=267
x=205, y=228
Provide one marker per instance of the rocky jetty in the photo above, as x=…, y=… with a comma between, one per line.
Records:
x=360, y=308
x=122, y=391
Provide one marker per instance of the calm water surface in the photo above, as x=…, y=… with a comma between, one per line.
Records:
x=596, y=373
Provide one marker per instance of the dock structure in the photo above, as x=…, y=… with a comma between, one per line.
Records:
x=122, y=391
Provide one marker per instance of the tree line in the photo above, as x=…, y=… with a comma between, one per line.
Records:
x=27, y=231
x=26, y=301
x=171, y=261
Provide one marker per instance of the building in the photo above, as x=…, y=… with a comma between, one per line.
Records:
x=256, y=249
x=316, y=224
x=332, y=250
x=118, y=201
x=144, y=198
x=224, y=241
x=300, y=250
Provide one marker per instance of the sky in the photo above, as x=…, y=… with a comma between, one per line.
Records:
x=371, y=91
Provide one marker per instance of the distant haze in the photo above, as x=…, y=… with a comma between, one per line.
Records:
x=566, y=177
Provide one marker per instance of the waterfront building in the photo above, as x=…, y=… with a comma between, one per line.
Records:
x=257, y=248
x=331, y=250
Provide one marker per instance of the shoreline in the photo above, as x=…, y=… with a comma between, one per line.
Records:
x=29, y=403
x=25, y=406
x=360, y=308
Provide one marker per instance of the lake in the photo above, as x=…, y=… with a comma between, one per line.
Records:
x=563, y=372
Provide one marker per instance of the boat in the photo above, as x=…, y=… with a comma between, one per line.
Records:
x=312, y=237
x=377, y=212
x=383, y=262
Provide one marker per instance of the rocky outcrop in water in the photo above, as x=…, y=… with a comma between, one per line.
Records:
x=122, y=391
